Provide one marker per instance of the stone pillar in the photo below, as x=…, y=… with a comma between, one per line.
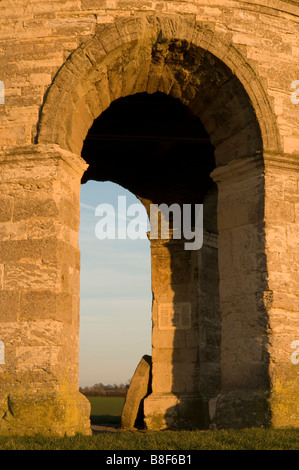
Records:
x=175, y=400
x=244, y=296
x=39, y=292
x=258, y=265
x=282, y=250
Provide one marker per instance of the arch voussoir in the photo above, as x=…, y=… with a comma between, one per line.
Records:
x=124, y=31
x=135, y=53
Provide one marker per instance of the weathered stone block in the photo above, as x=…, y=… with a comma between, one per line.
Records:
x=17, y=250
x=48, y=412
x=46, y=305
x=9, y=306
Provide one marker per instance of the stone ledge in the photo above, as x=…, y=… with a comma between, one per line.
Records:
x=282, y=161
x=42, y=152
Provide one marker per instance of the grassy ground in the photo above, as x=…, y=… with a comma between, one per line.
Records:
x=106, y=410
x=248, y=439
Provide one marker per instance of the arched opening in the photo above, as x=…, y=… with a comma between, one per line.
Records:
x=157, y=148
x=141, y=142
x=211, y=82
x=115, y=299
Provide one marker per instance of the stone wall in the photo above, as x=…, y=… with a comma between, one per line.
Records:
x=37, y=38
x=61, y=64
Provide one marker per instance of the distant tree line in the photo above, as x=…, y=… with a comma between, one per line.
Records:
x=101, y=390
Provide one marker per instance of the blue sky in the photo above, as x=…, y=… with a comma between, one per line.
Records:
x=116, y=297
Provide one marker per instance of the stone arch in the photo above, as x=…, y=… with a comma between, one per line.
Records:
x=187, y=61
x=257, y=183
x=145, y=54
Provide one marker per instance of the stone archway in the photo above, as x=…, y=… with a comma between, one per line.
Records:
x=162, y=129
x=149, y=54
x=187, y=61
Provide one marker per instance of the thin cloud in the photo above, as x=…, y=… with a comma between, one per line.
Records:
x=87, y=206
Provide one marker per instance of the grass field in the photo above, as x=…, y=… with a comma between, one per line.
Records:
x=248, y=439
x=106, y=410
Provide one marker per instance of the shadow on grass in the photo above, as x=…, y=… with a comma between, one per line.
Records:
x=105, y=420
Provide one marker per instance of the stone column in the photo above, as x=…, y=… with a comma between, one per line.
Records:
x=175, y=400
x=282, y=250
x=258, y=265
x=39, y=292
x=244, y=296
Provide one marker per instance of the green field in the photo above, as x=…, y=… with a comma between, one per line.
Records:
x=247, y=439
x=106, y=410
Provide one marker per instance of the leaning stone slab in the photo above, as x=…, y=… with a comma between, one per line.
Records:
x=139, y=388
